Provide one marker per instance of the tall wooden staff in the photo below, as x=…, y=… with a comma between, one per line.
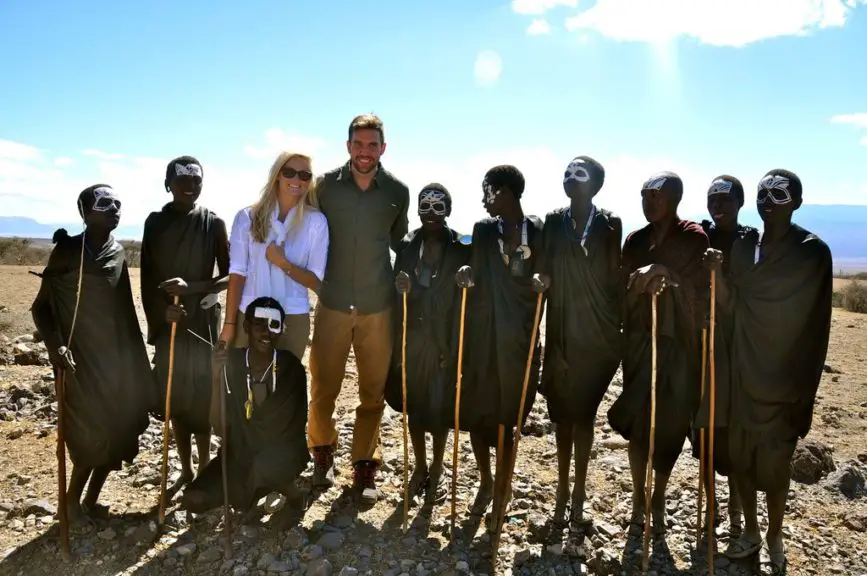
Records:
x=405, y=439
x=711, y=489
x=167, y=424
x=60, y=392
x=698, y=523
x=500, y=516
x=456, y=435
x=62, y=517
x=648, y=486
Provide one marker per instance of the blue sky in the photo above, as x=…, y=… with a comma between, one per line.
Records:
x=110, y=91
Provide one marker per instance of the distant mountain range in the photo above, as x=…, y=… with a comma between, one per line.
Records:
x=843, y=227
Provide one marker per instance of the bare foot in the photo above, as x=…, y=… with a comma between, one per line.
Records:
x=417, y=481
x=560, y=506
x=483, y=498
x=659, y=524
x=78, y=520
x=182, y=481
x=436, y=488
x=636, y=521
x=95, y=511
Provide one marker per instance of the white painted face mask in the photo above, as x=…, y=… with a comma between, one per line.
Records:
x=576, y=171
x=188, y=170
x=432, y=202
x=774, y=188
x=273, y=316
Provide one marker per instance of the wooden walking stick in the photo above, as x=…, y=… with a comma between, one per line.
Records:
x=711, y=488
x=456, y=435
x=648, y=489
x=62, y=517
x=167, y=424
x=224, y=449
x=500, y=517
x=60, y=393
x=405, y=439
x=701, y=440
x=224, y=457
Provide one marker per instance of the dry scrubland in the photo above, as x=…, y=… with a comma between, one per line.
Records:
x=827, y=516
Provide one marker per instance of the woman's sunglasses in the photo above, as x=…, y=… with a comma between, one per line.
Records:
x=303, y=175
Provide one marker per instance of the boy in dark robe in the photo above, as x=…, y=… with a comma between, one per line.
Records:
x=725, y=198
x=664, y=257
x=427, y=261
x=779, y=295
x=181, y=245
x=85, y=313
x=583, y=340
x=505, y=268
x=266, y=419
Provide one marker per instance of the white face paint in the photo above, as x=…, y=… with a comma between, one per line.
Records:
x=775, y=188
x=188, y=170
x=275, y=320
x=720, y=187
x=432, y=202
x=490, y=193
x=577, y=171
x=655, y=183
x=104, y=199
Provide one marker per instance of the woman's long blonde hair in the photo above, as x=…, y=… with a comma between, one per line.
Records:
x=264, y=207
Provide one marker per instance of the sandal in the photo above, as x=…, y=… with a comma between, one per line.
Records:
x=435, y=491
x=779, y=563
x=743, y=548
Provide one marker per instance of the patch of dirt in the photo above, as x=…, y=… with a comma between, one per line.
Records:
x=825, y=530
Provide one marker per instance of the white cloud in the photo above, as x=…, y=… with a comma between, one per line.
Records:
x=538, y=7
x=488, y=67
x=859, y=119
x=276, y=141
x=37, y=187
x=538, y=27
x=732, y=23
x=100, y=154
x=15, y=151
x=63, y=162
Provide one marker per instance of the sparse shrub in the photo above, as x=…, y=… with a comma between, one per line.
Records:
x=837, y=300
x=22, y=252
x=855, y=297
x=133, y=252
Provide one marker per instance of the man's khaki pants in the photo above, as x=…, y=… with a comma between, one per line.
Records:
x=370, y=336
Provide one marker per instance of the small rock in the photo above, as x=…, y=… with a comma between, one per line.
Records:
x=186, y=549
x=811, y=462
x=279, y=566
x=210, y=555
x=107, y=534
x=348, y=571
x=319, y=567
x=848, y=480
x=331, y=540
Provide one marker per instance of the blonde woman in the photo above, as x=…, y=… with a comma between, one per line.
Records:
x=278, y=248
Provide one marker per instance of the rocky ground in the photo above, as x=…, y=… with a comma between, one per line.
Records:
x=826, y=518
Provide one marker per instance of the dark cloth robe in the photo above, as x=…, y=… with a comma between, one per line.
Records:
x=679, y=317
x=268, y=452
x=500, y=313
x=583, y=342
x=782, y=322
x=723, y=242
x=181, y=245
x=433, y=323
x=111, y=391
